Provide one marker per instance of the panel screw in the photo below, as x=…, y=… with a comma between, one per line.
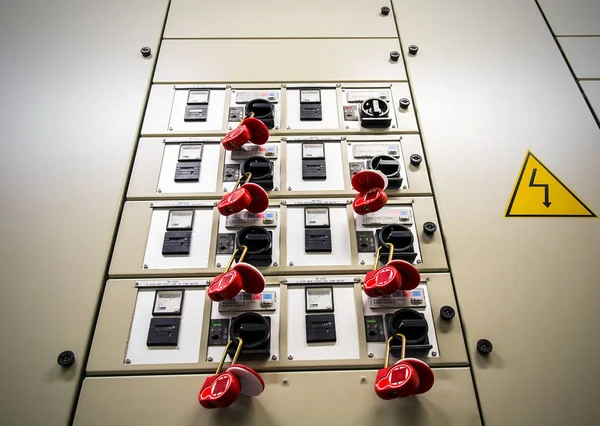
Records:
x=404, y=187
x=66, y=359
x=159, y=190
x=145, y=266
x=290, y=357
x=393, y=126
x=343, y=90
x=284, y=203
x=484, y=346
x=170, y=129
x=288, y=127
x=230, y=127
x=371, y=354
x=434, y=353
x=404, y=103
x=224, y=189
x=291, y=263
x=356, y=279
x=284, y=85
x=209, y=359
x=276, y=127
x=275, y=264
x=426, y=278
x=415, y=159
x=385, y=11
x=127, y=361
x=394, y=56
x=419, y=261
x=362, y=262
x=276, y=188
x=146, y=52
x=289, y=188
x=274, y=357
x=218, y=265
x=413, y=49
x=285, y=380
x=349, y=143
x=363, y=379
x=347, y=127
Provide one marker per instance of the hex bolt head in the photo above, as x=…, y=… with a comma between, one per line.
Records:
x=415, y=160
x=66, y=359
x=429, y=228
x=385, y=11
x=484, y=346
x=394, y=56
x=146, y=52
x=447, y=312
x=404, y=103
x=413, y=49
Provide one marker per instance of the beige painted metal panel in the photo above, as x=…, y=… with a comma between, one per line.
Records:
x=508, y=101
x=284, y=60
x=274, y=19
x=583, y=54
x=111, y=337
x=592, y=92
x=72, y=97
x=336, y=398
x=572, y=17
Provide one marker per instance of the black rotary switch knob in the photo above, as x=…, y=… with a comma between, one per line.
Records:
x=447, y=312
x=404, y=103
x=484, y=346
x=429, y=228
x=66, y=359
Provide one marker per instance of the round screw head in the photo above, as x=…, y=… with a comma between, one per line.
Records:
x=290, y=357
x=371, y=354
x=385, y=11
x=413, y=49
x=394, y=56
x=218, y=265
x=404, y=103
x=434, y=353
x=363, y=379
x=484, y=346
x=275, y=264
x=66, y=359
x=291, y=263
x=209, y=359
x=447, y=312
x=429, y=228
x=415, y=160
x=127, y=361
x=146, y=52
x=274, y=357
x=285, y=380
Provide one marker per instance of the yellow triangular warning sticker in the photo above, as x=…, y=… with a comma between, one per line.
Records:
x=538, y=192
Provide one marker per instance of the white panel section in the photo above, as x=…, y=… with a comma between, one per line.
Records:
x=269, y=18
x=378, y=348
x=190, y=330
x=369, y=258
x=234, y=104
x=346, y=327
x=592, y=92
x=572, y=17
x=214, y=119
x=583, y=54
x=333, y=161
x=209, y=170
x=199, y=247
x=222, y=259
x=276, y=168
x=340, y=239
x=217, y=351
x=329, y=111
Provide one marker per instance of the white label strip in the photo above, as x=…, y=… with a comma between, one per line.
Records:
x=172, y=283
